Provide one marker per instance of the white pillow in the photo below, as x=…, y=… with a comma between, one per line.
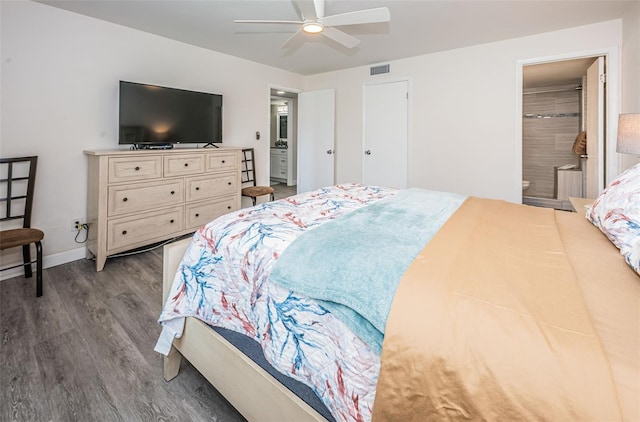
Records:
x=616, y=212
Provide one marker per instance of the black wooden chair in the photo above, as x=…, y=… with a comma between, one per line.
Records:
x=17, y=182
x=249, y=176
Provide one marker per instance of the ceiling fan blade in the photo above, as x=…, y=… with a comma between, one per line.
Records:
x=319, y=5
x=380, y=14
x=263, y=21
x=305, y=9
x=290, y=41
x=341, y=37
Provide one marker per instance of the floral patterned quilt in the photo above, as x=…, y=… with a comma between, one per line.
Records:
x=224, y=281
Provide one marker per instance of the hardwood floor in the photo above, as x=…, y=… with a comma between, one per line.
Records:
x=283, y=191
x=84, y=350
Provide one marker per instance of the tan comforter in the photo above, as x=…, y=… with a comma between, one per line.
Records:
x=489, y=323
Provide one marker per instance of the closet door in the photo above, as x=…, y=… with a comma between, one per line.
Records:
x=385, y=134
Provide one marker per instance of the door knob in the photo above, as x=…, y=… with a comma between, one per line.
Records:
x=368, y=152
x=329, y=151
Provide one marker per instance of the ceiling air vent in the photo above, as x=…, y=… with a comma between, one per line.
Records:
x=379, y=70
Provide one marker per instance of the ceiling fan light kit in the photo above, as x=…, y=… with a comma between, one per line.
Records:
x=325, y=25
x=312, y=27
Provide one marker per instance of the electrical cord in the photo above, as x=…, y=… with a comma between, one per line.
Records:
x=138, y=251
x=85, y=227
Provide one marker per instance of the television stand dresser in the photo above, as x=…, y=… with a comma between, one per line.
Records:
x=139, y=197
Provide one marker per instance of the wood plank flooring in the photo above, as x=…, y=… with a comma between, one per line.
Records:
x=283, y=191
x=84, y=350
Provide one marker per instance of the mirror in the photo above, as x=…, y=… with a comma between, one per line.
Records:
x=282, y=122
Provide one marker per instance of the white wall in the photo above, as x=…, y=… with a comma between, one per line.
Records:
x=463, y=135
x=630, y=69
x=59, y=85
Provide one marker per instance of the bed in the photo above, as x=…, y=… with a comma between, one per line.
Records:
x=449, y=337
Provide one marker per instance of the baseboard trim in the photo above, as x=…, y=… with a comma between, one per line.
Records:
x=49, y=261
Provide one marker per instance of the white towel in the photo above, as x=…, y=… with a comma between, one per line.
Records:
x=170, y=329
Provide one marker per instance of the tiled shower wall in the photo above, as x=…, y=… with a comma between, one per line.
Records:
x=550, y=125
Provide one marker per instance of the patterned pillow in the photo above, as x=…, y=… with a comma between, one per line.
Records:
x=616, y=212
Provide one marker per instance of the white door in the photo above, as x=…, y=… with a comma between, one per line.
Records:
x=316, y=140
x=595, y=128
x=292, y=141
x=385, y=134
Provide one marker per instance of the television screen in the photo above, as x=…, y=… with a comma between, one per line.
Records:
x=153, y=115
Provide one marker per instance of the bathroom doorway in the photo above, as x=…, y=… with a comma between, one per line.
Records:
x=563, y=141
x=283, y=142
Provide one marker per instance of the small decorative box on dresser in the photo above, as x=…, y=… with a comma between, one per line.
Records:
x=140, y=197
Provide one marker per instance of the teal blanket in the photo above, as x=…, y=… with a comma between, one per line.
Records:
x=352, y=265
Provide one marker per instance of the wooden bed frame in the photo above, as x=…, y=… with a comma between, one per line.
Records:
x=248, y=387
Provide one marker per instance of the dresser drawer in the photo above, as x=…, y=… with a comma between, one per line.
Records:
x=143, y=229
x=222, y=161
x=278, y=151
x=207, y=187
x=183, y=164
x=144, y=196
x=199, y=214
x=124, y=169
x=280, y=173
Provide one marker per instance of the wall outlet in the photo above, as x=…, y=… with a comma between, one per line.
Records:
x=76, y=224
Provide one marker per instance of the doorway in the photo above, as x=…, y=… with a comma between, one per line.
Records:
x=309, y=146
x=283, y=142
x=563, y=122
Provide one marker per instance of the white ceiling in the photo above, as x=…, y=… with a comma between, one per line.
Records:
x=566, y=72
x=417, y=26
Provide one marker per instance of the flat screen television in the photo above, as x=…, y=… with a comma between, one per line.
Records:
x=156, y=116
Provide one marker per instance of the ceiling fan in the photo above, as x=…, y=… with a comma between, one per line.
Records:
x=325, y=25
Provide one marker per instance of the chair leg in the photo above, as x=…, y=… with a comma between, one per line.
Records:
x=26, y=259
x=253, y=199
x=38, y=269
x=272, y=197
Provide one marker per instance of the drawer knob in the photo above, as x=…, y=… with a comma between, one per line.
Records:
x=223, y=161
x=173, y=192
x=137, y=168
x=186, y=164
x=197, y=187
x=229, y=207
x=229, y=183
x=197, y=215
x=124, y=232
x=125, y=199
x=171, y=221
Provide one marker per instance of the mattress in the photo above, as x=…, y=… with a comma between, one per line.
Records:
x=253, y=350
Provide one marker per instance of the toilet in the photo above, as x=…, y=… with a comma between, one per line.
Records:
x=525, y=185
